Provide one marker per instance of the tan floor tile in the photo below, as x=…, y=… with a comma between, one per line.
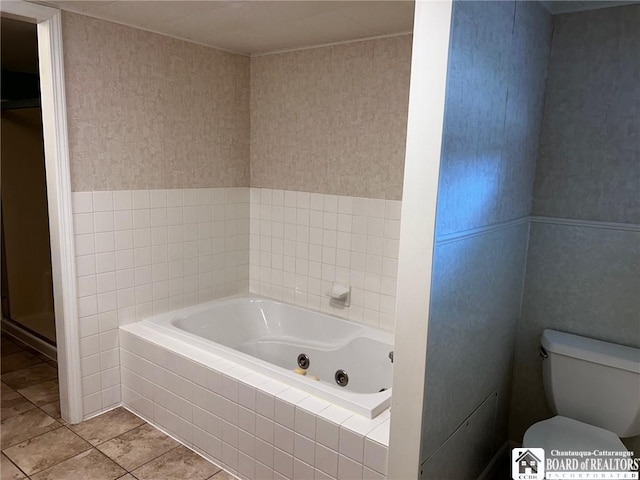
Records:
x=8, y=471
x=26, y=377
x=7, y=347
x=178, y=464
x=107, y=426
x=43, y=357
x=16, y=361
x=14, y=404
x=47, y=360
x=5, y=389
x=46, y=450
x=128, y=476
x=42, y=393
x=89, y=465
x=27, y=425
x=138, y=446
x=53, y=410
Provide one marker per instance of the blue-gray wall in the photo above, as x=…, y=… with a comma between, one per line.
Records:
x=589, y=162
x=494, y=103
x=583, y=266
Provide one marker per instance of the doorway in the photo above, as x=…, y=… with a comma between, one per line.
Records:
x=27, y=291
x=58, y=193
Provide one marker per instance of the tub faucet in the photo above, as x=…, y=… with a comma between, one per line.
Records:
x=391, y=356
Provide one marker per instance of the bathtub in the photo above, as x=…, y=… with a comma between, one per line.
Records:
x=268, y=337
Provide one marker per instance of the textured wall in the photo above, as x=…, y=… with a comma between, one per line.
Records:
x=589, y=163
x=332, y=119
x=494, y=102
x=583, y=273
x=493, y=109
x=477, y=287
x=148, y=111
x=328, y=120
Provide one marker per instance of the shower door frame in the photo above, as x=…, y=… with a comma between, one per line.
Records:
x=56, y=152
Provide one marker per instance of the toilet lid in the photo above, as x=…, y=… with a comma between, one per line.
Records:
x=562, y=433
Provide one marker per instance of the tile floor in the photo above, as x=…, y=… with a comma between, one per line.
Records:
x=36, y=443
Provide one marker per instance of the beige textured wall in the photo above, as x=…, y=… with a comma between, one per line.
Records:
x=332, y=119
x=148, y=111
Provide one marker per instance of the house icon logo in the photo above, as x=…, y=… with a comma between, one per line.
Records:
x=527, y=464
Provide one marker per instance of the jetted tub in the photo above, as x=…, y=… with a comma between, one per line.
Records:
x=268, y=337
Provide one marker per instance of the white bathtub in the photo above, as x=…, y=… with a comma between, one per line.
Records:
x=267, y=336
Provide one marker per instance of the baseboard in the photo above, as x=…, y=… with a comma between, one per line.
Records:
x=489, y=470
x=29, y=339
x=97, y=414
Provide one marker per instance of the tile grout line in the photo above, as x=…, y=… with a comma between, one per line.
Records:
x=14, y=464
x=221, y=469
x=91, y=446
x=61, y=461
x=38, y=407
x=152, y=460
x=68, y=427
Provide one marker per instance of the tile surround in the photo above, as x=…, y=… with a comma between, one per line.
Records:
x=144, y=252
x=301, y=242
x=252, y=426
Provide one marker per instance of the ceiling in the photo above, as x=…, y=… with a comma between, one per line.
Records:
x=567, y=6
x=255, y=27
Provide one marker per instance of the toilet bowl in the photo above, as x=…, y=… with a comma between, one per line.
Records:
x=565, y=434
x=594, y=388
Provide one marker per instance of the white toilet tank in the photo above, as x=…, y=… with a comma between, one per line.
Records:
x=593, y=381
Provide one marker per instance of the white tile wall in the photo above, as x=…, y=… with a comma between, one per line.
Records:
x=301, y=242
x=144, y=252
x=254, y=427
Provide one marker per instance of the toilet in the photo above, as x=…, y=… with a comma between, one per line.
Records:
x=593, y=387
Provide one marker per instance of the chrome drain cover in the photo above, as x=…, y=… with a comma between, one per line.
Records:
x=342, y=378
x=303, y=361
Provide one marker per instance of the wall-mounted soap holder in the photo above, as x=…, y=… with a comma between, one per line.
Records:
x=340, y=294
